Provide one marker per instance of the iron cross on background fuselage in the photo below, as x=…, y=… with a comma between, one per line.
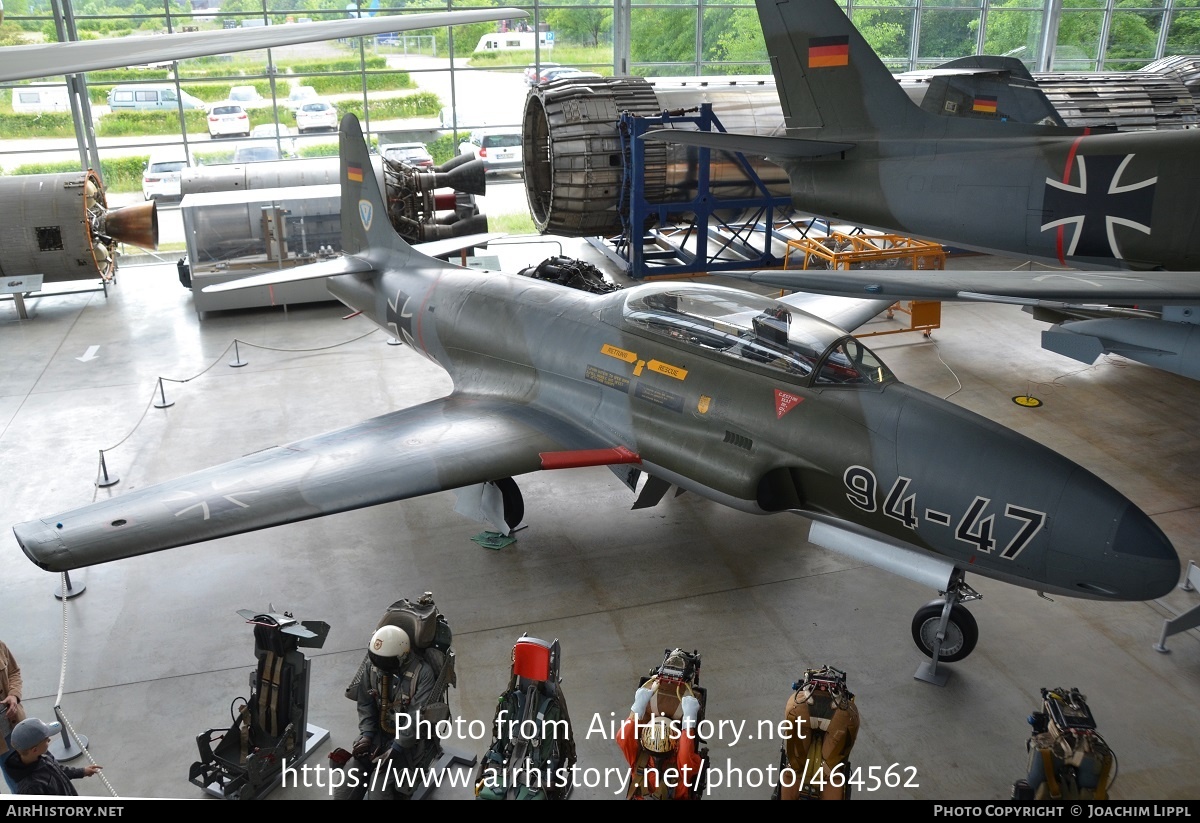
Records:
x=1096, y=204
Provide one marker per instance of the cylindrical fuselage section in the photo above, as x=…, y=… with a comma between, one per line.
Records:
x=45, y=225
x=272, y=174
x=574, y=165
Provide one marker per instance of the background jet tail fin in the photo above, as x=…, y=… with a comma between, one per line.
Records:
x=828, y=76
x=365, y=221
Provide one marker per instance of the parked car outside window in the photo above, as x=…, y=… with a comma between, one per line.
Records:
x=318, y=115
x=414, y=154
x=499, y=149
x=160, y=179
x=228, y=119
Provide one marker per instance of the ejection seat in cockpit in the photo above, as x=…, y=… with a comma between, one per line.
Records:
x=270, y=728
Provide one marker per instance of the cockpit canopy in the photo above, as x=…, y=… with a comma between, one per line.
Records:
x=757, y=330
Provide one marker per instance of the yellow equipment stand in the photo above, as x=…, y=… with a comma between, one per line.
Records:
x=838, y=250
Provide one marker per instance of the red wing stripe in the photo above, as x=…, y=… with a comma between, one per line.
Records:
x=588, y=457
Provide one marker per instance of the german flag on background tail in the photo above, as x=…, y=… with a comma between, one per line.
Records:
x=824, y=52
x=985, y=104
x=354, y=172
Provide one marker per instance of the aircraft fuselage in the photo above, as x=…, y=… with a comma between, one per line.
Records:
x=764, y=439
x=1109, y=200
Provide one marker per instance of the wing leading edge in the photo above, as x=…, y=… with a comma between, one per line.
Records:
x=1032, y=287
x=445, y=444
x=51, y=59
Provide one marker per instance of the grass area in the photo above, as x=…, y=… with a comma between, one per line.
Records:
x=512, y=223
x=598, y=59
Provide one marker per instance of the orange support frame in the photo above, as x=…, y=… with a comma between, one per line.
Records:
x=838, y=250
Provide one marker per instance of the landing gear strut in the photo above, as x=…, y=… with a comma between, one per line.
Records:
x=944, y=630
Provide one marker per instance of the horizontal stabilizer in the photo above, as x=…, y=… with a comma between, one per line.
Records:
x=773, y=148
x=450, y=245
x=51, y=59
x=326, y=268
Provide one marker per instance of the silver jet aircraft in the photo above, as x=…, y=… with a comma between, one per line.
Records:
x=859, y=151
x=748, y=401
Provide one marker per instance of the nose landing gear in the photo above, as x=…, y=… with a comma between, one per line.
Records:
x=944, y=630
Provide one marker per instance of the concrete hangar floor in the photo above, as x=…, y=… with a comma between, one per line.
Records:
x=155, y=653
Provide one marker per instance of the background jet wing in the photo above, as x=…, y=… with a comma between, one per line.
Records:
x=444, y=444
x=47, y=60
x=1026, y=287
x=773, y=148
x=844, y=312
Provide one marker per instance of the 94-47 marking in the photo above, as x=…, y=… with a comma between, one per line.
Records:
x=975, y=527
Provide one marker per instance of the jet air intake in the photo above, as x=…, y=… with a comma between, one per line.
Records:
x=574, y=165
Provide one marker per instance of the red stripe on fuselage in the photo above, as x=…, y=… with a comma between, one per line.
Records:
x=421, y=316
x=1066, y=180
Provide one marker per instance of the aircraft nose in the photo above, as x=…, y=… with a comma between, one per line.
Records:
x=1109, y=548
x=1009, y=506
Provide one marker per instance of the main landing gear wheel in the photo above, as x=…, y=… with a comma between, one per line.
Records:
x=962, y=632
x=514, y=504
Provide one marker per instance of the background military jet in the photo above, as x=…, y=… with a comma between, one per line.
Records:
x=748, y=401
x=859, y=150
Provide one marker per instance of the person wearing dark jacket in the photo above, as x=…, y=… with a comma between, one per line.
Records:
x=32, y=766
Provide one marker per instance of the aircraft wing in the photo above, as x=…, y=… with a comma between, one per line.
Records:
x=1065, y=287
x=47, y=60
x=844, y=312
x=444, y=444
x=779, y=148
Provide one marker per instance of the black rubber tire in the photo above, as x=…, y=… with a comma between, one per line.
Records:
x=514, y=503
x=962, y=632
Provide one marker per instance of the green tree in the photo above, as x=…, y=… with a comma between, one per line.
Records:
x=662, y=35
x=741, y=39
x=1184, y=34
x=586, y=25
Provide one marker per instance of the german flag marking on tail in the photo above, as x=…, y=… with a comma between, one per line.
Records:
x=985, y=104
x=825, y=52
x=354, y=172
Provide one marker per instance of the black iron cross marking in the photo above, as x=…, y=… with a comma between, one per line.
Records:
x=400, y=321
x=1097, y=204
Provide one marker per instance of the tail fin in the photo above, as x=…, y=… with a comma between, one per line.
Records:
x=365, y=221
x=827, y=75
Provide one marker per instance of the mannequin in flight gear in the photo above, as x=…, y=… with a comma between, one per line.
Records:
x=397, y=684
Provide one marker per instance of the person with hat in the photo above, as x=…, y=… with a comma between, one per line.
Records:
x=11, y=710
x=32, y=766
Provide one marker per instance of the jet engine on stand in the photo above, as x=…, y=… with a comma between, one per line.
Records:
x=575, y=166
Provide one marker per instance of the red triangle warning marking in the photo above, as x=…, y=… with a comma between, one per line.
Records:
x=785, y=402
